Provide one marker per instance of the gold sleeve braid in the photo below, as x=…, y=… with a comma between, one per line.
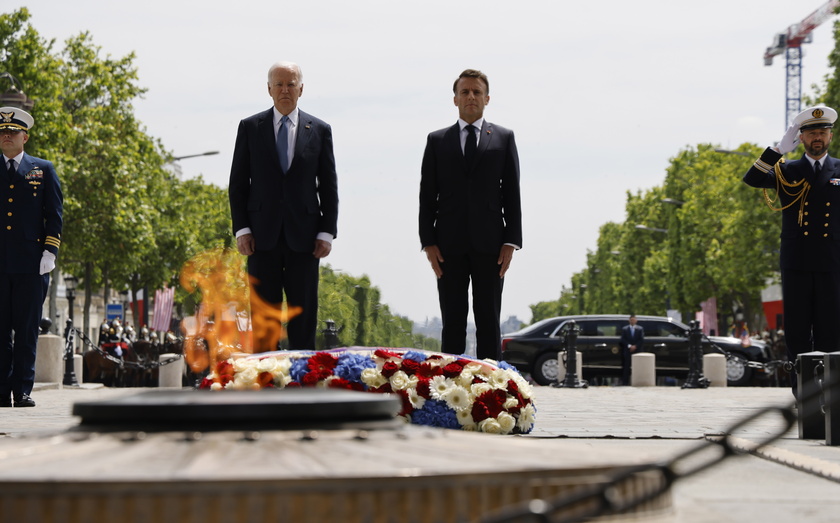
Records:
x=798, y=190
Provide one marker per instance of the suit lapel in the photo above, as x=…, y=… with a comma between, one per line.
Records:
x=829, y=170
x=265, y=128
x=26, y=165
x=304, y=133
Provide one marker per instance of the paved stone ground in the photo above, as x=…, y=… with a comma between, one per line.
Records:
x=790, y=480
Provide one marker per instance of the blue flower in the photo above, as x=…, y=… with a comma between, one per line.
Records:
x=436, y=413
x=299, y=368
x=507, y=366
x=419, y=357
x=350, y=366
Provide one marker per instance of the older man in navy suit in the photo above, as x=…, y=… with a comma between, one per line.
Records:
x=284, y=201
x=808, y=193
x=31, y=207
x=470, y=216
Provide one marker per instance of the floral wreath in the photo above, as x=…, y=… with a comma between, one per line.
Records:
x=436, y=389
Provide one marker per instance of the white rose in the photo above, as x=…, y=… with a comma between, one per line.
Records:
x=373, y=378
x=506, y=421
x=246, y=379
x=490, y=426
x=400, y=381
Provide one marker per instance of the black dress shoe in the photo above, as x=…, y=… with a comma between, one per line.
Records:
x=6, y=401
x=24, y=401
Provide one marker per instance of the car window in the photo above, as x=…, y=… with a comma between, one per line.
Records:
x=662, y=329
x=599, y=328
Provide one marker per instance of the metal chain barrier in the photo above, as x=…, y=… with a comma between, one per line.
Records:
x=608, y=498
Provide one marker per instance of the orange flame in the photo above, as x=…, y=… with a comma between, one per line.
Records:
x=227, y=294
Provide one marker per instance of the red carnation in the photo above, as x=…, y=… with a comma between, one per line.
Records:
x=389, y=369
x=423, y=388
x=293, y=384
x=341, y=383
x=407, y=407
x=428, y=371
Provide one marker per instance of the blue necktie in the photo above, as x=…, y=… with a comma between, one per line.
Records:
x=817, y=168
x=469, y=145
x=283, y=144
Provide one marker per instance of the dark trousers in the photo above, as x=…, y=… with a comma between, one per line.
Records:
x=21, y=301
x=626, y=360
x=812, y=312
x=483, y=271
x=280, y=271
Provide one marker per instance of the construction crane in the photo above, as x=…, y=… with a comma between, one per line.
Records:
x=790, y=43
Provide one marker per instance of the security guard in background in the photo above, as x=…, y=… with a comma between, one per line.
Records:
x=808, y=195
x=30, y=235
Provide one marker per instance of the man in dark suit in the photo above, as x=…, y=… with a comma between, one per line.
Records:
x=284, y=202
x=31, y=206
x=808, y=192
x=632, y=340
x=470, y=216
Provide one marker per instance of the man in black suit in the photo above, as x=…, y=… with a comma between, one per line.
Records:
x=470, y=216
x=632, y=340
x=808, y=193
x=31, y=205
x=284, y=201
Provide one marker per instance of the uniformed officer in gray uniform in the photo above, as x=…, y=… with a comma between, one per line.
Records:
x=807, y=192
x=30, y=235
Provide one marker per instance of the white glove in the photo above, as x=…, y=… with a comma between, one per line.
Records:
x=790, y=140
x=47, y=262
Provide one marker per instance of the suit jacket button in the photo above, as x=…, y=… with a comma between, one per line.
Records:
x=806, y=223
x=806, y=233
x=828, y=204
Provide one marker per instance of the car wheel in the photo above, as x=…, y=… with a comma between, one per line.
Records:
x=738, y=373
x=546, y=369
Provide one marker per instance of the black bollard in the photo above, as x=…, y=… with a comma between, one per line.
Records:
x=571, y=379
x=695, y=379
x=831, y=393
x=809, y=373
x=69, y=372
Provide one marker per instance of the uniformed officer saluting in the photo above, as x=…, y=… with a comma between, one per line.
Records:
x=808, y=194
x=30, y=235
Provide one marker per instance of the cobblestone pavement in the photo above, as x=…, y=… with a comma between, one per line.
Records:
x=790, y=480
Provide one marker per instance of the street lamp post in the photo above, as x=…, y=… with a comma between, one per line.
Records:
x=14, y=96
x=69, y=331
x=208, y=153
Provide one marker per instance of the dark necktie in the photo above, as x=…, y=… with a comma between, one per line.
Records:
x=283, y=144
x=469, y=145
x=12, y=168
x=817, y=168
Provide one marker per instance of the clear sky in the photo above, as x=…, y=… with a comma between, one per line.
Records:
x=600, y=95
